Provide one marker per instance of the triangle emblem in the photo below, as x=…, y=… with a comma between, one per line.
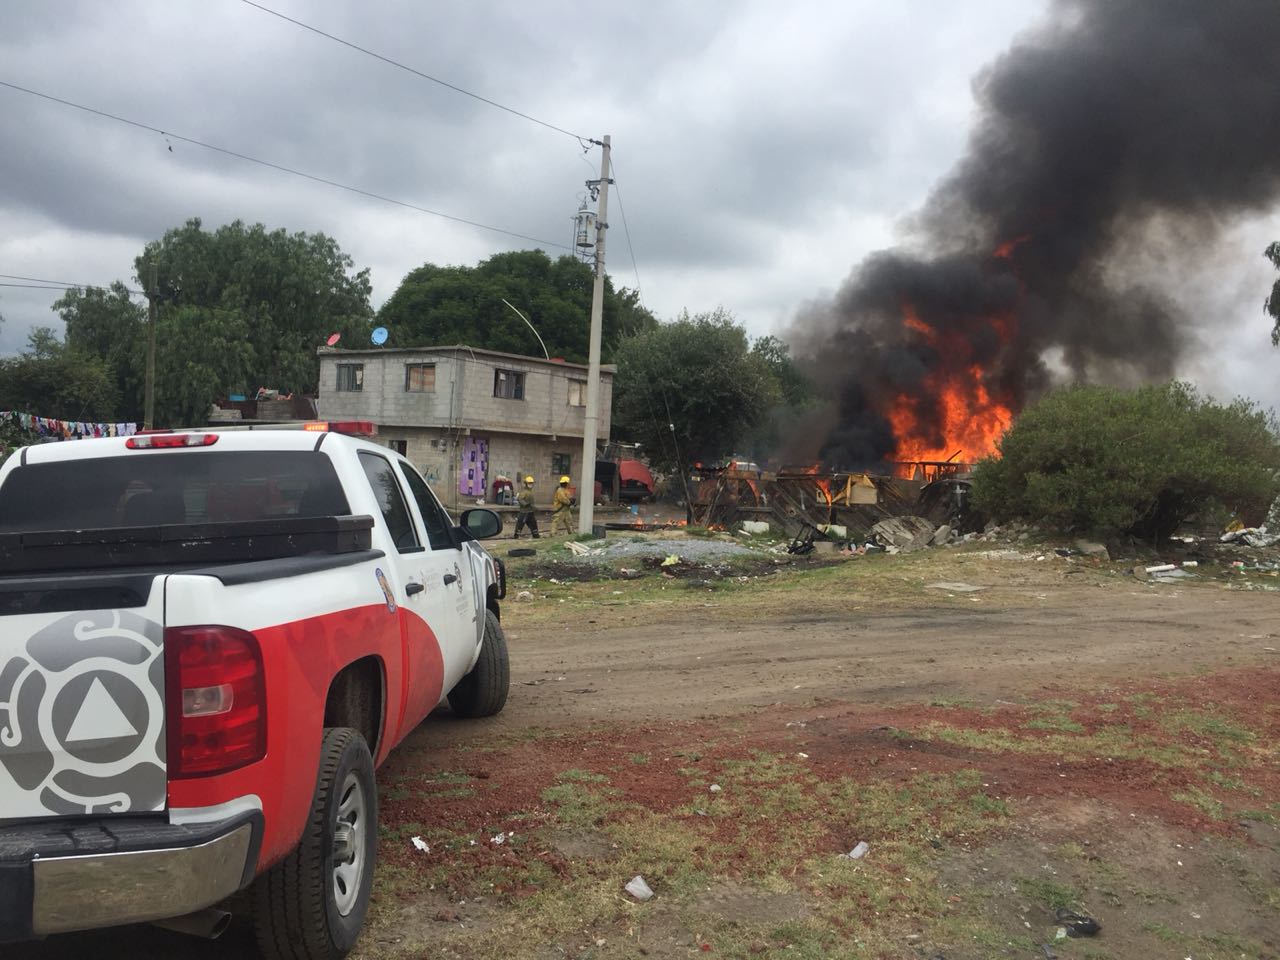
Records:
x=100, y=718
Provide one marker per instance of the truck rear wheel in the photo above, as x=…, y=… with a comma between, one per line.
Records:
x=312, y=905
x=483, y=691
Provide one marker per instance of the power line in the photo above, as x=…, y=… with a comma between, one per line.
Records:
x=279, y=167
x=35, y=286
x=60, y=285
x=418, y=73
x=627, y=231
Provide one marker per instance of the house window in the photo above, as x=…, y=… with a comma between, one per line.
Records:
x=350, y=377
x=399, y=446
x=508, y=384
x=577, y=393
x=420, y=378
x=560, y=464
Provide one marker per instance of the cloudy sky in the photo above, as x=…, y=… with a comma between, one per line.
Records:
x=761, y=149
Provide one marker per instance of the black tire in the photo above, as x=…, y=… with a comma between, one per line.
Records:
x=297, y=914
x=483, y=691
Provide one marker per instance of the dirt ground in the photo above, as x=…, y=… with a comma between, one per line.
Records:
x=1062, y=737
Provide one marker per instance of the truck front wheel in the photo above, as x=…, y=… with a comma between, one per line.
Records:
x=312, y=905
x=483, y=691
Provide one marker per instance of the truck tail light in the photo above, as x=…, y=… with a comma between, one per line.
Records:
x=215, y=699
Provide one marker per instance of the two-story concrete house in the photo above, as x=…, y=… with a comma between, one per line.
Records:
x=466, y=416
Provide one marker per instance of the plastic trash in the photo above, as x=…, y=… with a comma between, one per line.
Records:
x=858, y=852
x=420, y=844
x=715, y=788
x=639, y=889
x=671, y=561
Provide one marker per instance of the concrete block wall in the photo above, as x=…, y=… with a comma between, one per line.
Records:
x=463, y=394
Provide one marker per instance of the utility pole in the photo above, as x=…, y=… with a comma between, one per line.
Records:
x=591, y=424
x=149, y=400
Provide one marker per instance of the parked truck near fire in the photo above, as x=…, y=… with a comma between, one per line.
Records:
x=208, y=642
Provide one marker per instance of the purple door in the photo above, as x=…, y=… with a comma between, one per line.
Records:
x=474, y=471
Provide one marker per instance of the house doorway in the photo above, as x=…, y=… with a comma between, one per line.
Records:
x=473, y=473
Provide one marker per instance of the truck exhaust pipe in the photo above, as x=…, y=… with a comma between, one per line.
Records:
x=208, y=924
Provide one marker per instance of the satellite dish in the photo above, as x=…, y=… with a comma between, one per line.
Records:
x=333, y=338
x=379, y=336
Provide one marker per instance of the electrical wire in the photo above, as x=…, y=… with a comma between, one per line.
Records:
x=418, y=73
x=279, y=167
x=60, y=285
x=626, y=230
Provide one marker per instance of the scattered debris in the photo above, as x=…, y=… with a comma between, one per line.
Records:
x=716, y=788
x=524, y=595
x=1251, y=537
x=522, y=552
x=639, y=889
x=1078, y=924
x=906, y=533
x=954, y=587
x=578, y=549
x=420, y=844
x=1091, y=549
x=671, y=560
x=858, y=852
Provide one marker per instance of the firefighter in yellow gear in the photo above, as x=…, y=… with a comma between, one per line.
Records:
x=526, y=510
x=562, y=509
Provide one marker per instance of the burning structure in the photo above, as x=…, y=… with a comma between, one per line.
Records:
x=1117, y=132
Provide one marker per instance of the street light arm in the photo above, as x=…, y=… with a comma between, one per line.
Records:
x=529, y=325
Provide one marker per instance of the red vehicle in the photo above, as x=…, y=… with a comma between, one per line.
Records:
x=208, y=641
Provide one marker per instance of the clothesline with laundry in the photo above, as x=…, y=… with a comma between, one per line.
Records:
x=52, y=428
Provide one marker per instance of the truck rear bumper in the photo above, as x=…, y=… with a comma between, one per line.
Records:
x=61, y=876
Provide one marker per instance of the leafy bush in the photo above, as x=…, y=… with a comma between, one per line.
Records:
x=1137, y=462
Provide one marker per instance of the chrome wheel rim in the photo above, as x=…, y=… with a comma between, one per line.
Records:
x=349, y=847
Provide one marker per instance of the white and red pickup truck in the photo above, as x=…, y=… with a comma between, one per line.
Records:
x=208, y=641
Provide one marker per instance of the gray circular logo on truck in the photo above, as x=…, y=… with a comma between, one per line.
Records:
x=82, y=716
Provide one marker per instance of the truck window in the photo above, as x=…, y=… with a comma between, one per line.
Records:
x=438, y=524
x=382, y=480
x=148, y=489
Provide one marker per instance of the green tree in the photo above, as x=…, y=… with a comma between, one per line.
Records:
x=1142, y=462
x=691, y=390
x=51, y=380
x=1272, y=305
x=109, y=323
x=437, y=305
x=278, y=294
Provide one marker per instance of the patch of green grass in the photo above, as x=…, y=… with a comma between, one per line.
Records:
x=1116, y=741
x=638, y=758
x=1058, y=722
x=1212, y=726
x=1166, y=933
x=1108, y=707
x=1054, y=895
x=581, y=776
x=1204, y=802
x=576, y=804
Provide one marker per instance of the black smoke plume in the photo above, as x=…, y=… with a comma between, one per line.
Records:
x=1118, y=128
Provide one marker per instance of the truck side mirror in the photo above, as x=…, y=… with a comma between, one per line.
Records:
x=479, y=524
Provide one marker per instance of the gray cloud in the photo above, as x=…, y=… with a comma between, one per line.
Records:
x=761, y=148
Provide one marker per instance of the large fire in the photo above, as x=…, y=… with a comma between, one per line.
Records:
x=956, y=417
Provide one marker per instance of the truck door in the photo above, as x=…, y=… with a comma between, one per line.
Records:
x=415, y=579
x=457, y=577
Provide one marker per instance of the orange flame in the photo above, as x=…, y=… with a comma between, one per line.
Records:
x=825, y=486
x=955, y=417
